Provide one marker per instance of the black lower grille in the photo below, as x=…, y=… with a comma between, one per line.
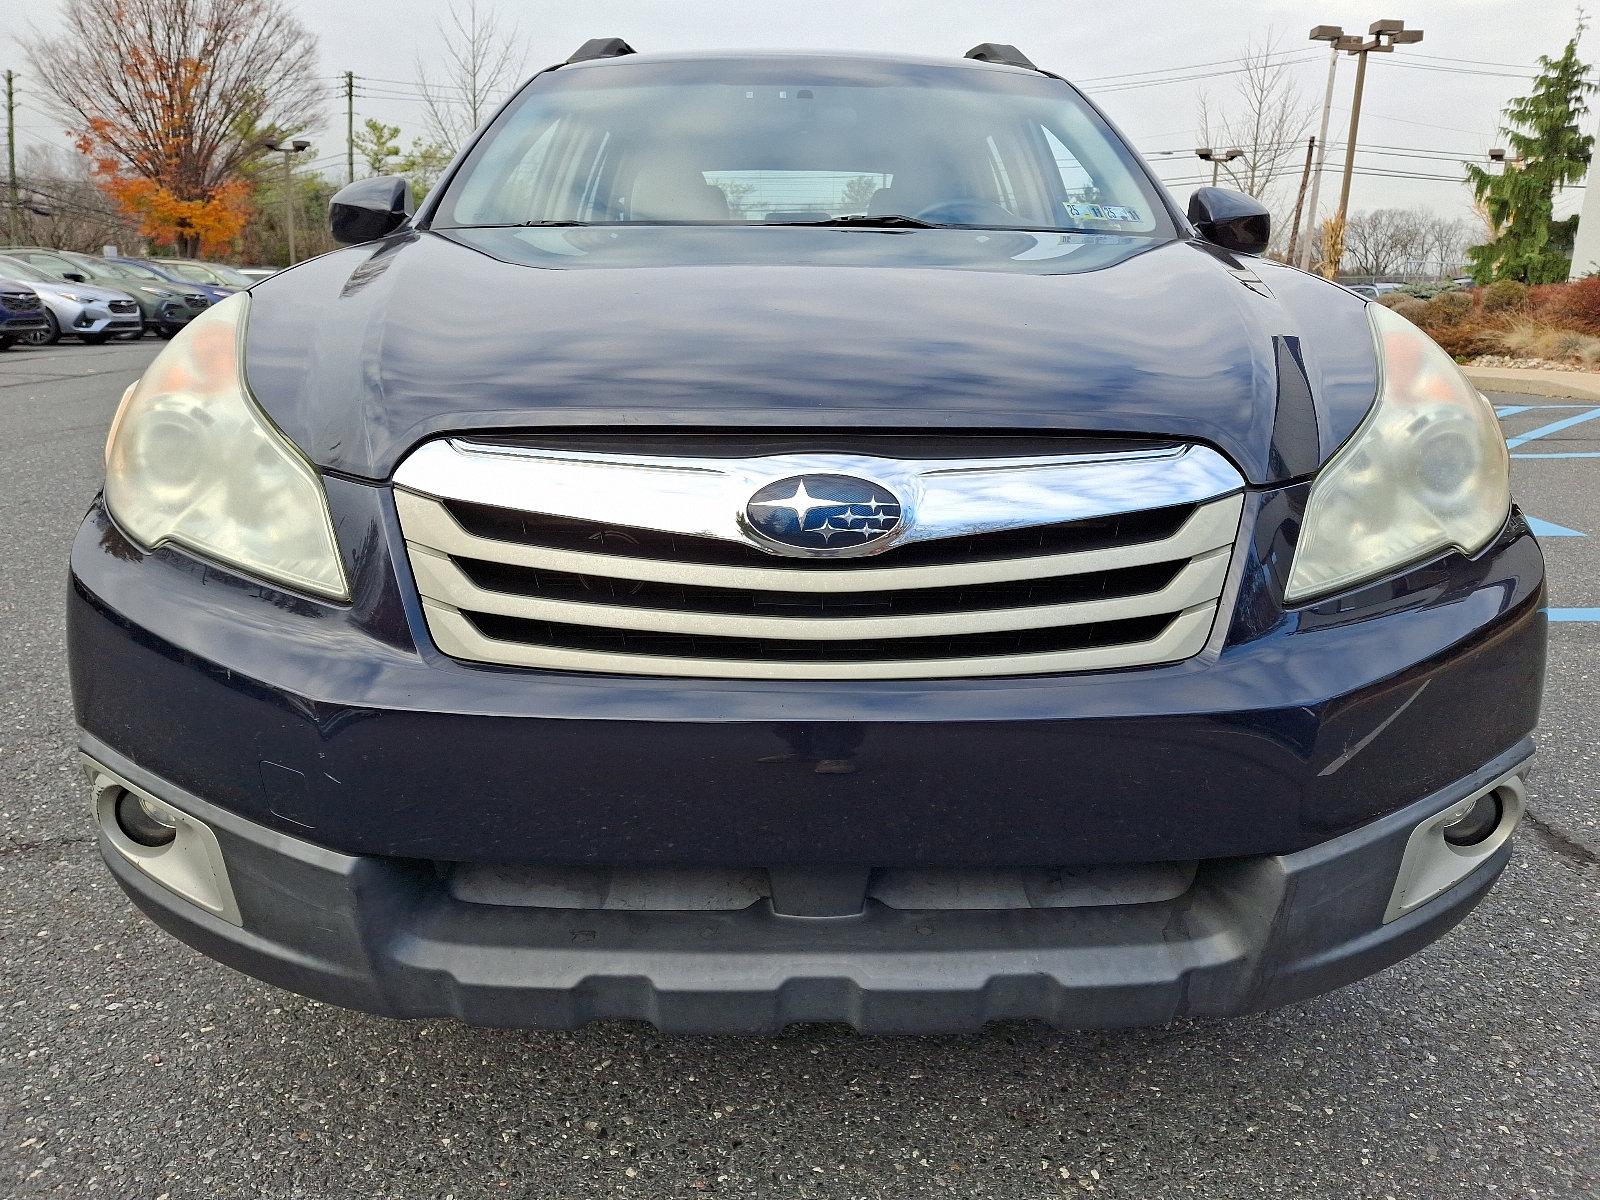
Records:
x=739, y=649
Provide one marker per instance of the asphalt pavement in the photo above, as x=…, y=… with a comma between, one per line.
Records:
x=132, y=1067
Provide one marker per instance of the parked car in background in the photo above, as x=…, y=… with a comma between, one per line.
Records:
x=22, y=312
x=86, y=311
x=149, y=267
x=164, y=307
x=257, y=274
x=218, y=275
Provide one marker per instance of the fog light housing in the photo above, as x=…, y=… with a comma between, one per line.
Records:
x=1478, y=824
x=167, y=845
x=147, y=822
x=1447, y=847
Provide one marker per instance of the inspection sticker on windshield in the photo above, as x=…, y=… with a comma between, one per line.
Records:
x=1101, y=212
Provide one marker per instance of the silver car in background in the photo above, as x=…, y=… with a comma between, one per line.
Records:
x=86, y=311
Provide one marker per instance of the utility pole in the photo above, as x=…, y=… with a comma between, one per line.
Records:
x=288, y=150
x=1305, y=177
x=11, y=157
x=1383, y=37
x=350, y=125
x=1337, y=41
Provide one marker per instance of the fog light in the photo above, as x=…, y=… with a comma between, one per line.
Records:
x=147, y=822
x=1478, y=823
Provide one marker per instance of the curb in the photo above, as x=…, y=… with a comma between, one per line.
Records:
x=1573, y=385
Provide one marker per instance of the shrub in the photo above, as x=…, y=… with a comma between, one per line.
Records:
x=1465, y=340
x=1449, y=308
x=1505, y=296
x=1409, y=307
x=1559, y=344
x=1535, y=339
x=1575, y=305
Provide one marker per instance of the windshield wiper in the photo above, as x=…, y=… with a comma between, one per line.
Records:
x=550, y=224
x=871, y=221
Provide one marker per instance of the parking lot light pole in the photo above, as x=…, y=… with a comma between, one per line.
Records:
x=1217, y=158
x=1337, y=41
x=1383, y=37
x=288, y=150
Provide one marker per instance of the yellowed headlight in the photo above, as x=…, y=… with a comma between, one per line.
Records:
x=1427, y=471
x=191, y=459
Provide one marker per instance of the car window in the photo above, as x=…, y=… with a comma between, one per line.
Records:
x=53, y=267
x=18, y=269
x=799, y=140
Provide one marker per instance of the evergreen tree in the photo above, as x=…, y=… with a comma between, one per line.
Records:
x=1547, y=150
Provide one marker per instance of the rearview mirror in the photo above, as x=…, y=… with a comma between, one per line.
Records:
x=1231, y=219
x=369, y=209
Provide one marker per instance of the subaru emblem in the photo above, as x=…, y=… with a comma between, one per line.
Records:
x=823, y=515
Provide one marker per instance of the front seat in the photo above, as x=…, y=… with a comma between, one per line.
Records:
x=675, y=191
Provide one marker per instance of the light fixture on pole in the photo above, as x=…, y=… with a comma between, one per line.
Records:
x=1337, y=40
x=1217, y=158
x=1383, y=37
x=288, y=149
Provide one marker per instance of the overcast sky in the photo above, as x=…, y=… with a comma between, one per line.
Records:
x=1441, y=97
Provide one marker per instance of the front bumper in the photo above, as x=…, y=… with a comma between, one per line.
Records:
x=346, y=767
x=20, y=323
x=392, y=937
x=94, y=318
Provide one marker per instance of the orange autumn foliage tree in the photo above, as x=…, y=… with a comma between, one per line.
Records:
x=205, y=226
x=174, y=101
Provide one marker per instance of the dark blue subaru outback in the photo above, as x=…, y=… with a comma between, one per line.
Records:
x=804, y=538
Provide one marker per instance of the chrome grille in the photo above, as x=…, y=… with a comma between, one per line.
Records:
x=638, y=564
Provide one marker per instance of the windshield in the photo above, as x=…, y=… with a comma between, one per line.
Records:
x=21, y=270
x=790, y=141
x=123, y=270
x=189, y=271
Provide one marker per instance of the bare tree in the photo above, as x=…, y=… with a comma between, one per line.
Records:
x=482, y=60
x=1267, y=117
x=62, y=206
x=170, y=99
x=1398, y=243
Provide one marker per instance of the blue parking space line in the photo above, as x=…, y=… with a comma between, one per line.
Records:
x=1573, y=614
x=1553, y=427
x=1561, y=454
x=1512, y=410
x=1543, y=528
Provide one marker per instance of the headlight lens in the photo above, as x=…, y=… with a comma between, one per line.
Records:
x=191, y=459
x=1427, y=471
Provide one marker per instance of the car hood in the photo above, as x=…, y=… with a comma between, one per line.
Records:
x=363, y=353
x=89, y=291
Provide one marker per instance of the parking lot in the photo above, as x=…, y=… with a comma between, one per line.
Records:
x=134, y=1067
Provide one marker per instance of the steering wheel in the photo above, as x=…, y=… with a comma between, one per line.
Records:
x=967, y=212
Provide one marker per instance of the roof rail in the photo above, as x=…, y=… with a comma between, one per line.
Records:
x=600, y=48
x=999, y=52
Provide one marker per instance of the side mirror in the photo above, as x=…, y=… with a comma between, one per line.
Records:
x=1231, y=219
x=369, y=209
x=74, y=277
